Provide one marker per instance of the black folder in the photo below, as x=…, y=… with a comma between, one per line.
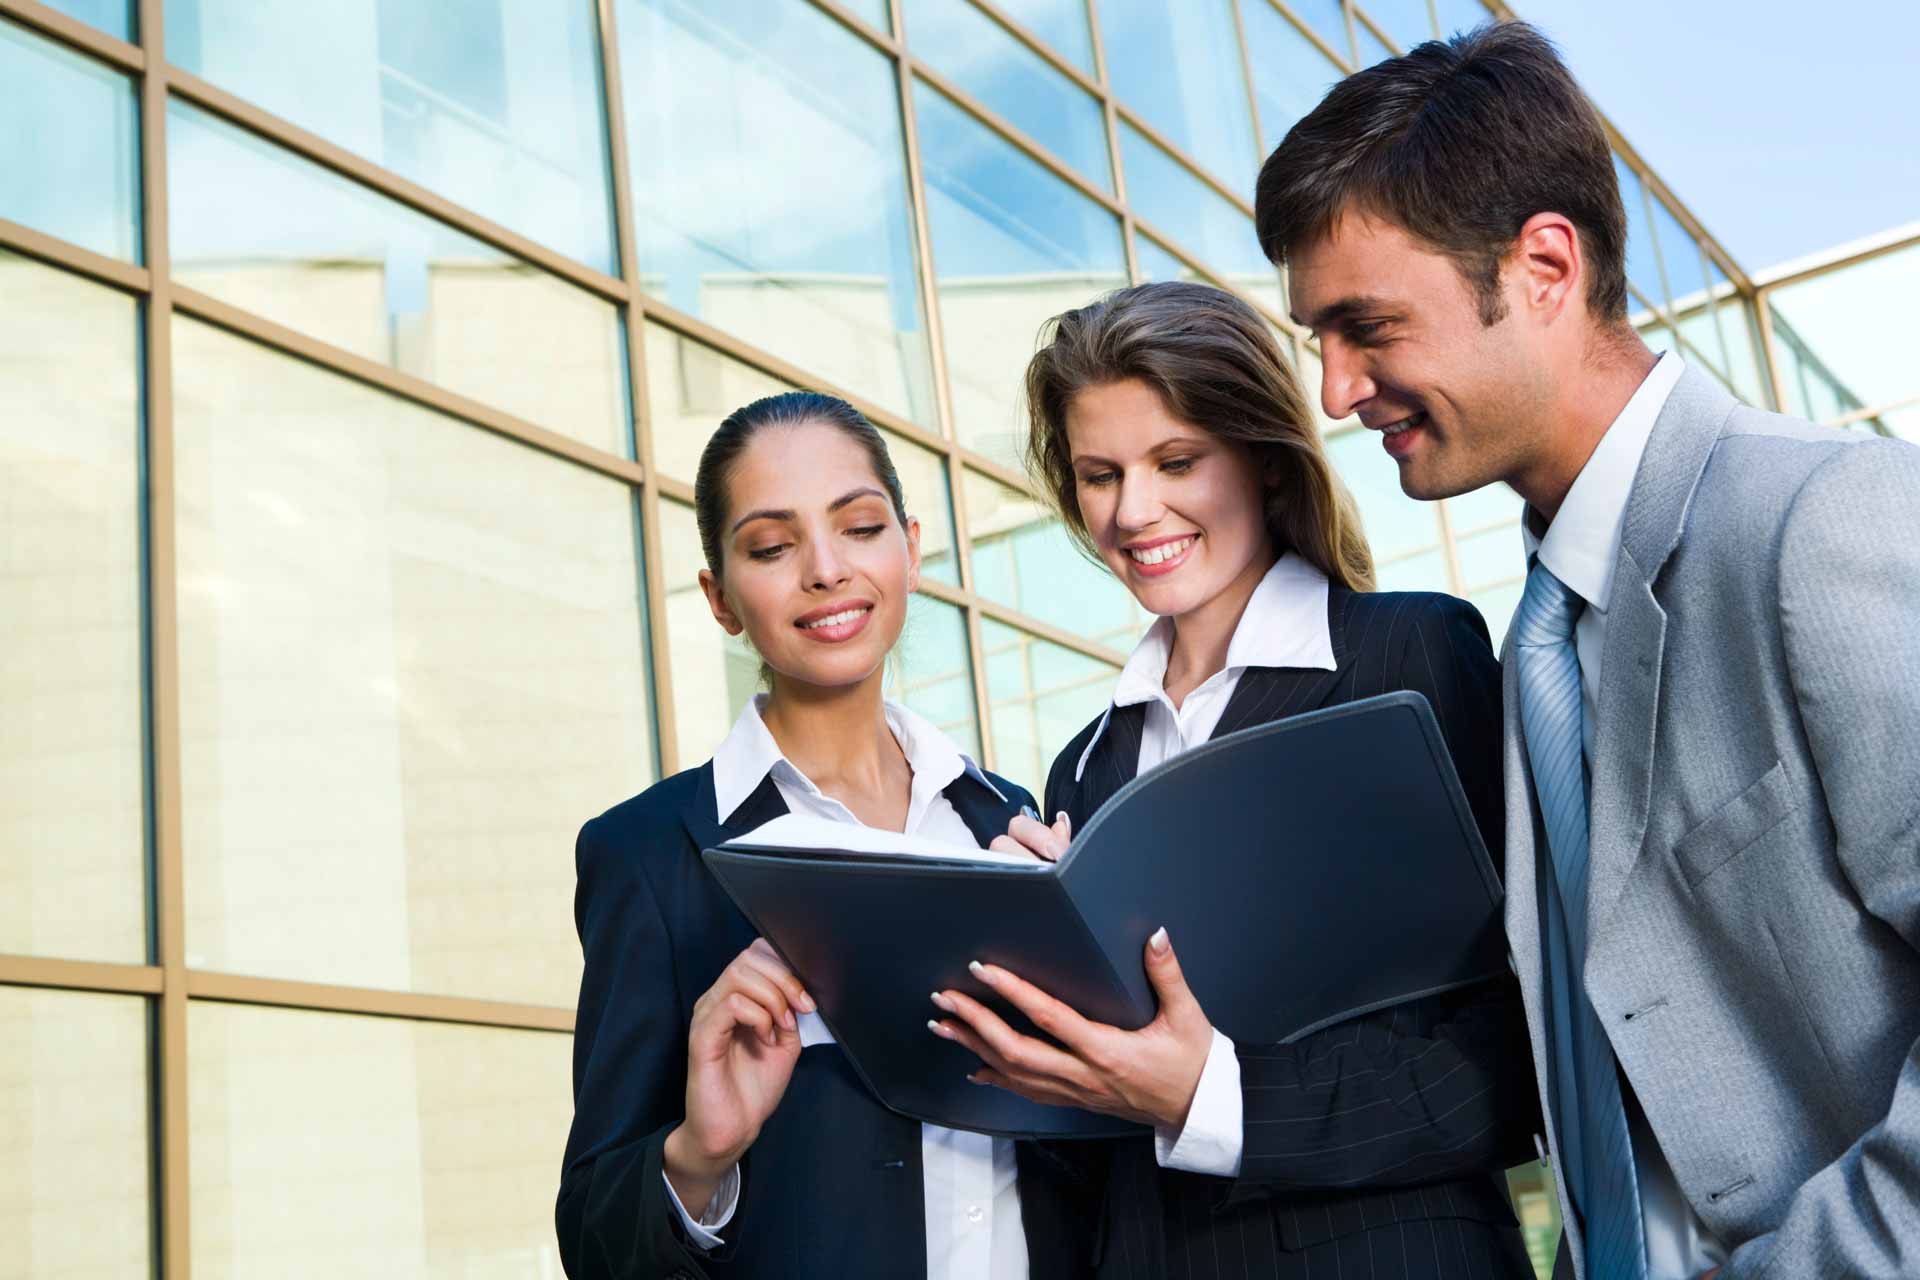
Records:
x=1308, y=871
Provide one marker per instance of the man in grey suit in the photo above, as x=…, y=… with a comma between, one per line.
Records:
x=1712, y=680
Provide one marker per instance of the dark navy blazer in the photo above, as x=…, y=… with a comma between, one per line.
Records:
x=1375, y=1147
x=832, y=1187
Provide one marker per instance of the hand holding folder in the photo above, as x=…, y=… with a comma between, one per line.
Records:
x=1264, y=853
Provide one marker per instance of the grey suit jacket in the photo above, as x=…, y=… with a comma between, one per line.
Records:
x=1754, y=898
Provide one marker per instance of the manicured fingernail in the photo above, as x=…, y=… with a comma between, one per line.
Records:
x=971, y=1080
x=1159, y=941
x=806, y=1003
x=1060, y=816
x=979, y=971
x=941, y=1002
x=787, y=1020
x=939, y=1030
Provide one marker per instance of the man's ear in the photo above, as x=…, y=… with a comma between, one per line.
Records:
x=717, y=601
x=1547, y=267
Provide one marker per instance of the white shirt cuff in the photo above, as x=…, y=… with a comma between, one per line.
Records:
x=1212, y=1140
x=726, y=1198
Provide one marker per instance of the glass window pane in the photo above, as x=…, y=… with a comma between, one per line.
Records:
x=74, y=1148
x=1460, y=15
x=495, y=104
x=1290, y=74
x=1490, y=556
x=1328, y=18
x=1860, y=321
x=1477, y=509
x=1406, y=22
x=691, y=388
x=1734, y=317
x=1396, y=525
x=1014, y=246
x=260, y=228
x=1166, y=194
x=804, y=247
x=1042, y=694
x=71, y=148
x=714, y=673
x=874, y=11
x=115, y=17
x=1024, y=558
x=411, y=665
x=331, y=1146
x=960, y=41
x=72, y=759
x=1643, y=269
x=932, y=670
x=1496, y=604
x=1680, y=255
x=1371, y=48
x=1061, y=23
x=1156, y=263
x=1179, y=67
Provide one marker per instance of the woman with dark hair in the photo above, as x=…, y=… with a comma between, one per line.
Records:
x=1175, y=440
x=717, y=1130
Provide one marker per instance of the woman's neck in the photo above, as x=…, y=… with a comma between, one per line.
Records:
x=1202, y=636
x=840, y=739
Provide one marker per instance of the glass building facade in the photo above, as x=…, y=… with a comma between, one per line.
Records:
x=353, y=372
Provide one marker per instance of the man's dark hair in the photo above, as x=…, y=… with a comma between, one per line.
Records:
x=1458, y=143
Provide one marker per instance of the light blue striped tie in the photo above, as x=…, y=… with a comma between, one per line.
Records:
x=1596, y=1155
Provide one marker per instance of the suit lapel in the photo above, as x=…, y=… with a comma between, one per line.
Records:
x=759, y=808
x=1628, y=703
x=1273, y=693
x=985, y=813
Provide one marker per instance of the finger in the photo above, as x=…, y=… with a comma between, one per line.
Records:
x=1063, y=827
x=1023, y=1054
x=1031, y=1092
x=774, y=969
x=744, y=980
x=742, y=1012
x=1055, y=1017
x=1037, y=837
x=1169, y=983
x=1007, y=844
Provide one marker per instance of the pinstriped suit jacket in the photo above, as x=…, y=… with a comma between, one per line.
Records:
x=1375, y=1147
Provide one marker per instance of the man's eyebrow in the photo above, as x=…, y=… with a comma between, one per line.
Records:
x=1345, y=309
x=787, y=513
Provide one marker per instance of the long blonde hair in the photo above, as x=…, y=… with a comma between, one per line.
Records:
x=1215, y=364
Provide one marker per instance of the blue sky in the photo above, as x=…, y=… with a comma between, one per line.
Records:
x=1787, y=126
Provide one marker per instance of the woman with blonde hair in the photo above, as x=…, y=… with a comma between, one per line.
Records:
x=1175, y=440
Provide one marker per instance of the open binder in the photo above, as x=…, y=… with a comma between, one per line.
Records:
x=1308, y=871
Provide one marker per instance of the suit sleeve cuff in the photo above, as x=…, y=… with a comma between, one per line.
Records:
x=702, y=1232
x=1210, y=1142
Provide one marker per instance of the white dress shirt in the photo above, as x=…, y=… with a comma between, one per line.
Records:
x=1284, y=625
x=1580, y=548
x=972, y=1205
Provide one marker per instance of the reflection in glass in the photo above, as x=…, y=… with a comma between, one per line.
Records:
x=1179, y=67
x=980, y=56
x=714, y=673
x=258, y=227
x=1406, y=22
x=1042, y=694
x=691, y=388
x=1014, y=246
x=74, y=1152
x=1328, y=18
x=70, y=152
x=115, y=17
x=328, y=1146
x=1290, y=74
x=1024, y=558
x=494, y=104
x=411, y=664
x=1166, y=194
x=1396, y=525
x=72, y=761
x=1061, y=23
x=1643, y=269
x=770, y=189
x=1680, y=255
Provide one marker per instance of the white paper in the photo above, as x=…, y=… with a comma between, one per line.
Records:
x=797, y=831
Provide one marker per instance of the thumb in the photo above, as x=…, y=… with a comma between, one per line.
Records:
x=1169, y=984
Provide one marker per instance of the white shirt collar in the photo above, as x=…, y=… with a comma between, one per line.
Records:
x=1583, y=542
x=750, y=753
x=1284, y=625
